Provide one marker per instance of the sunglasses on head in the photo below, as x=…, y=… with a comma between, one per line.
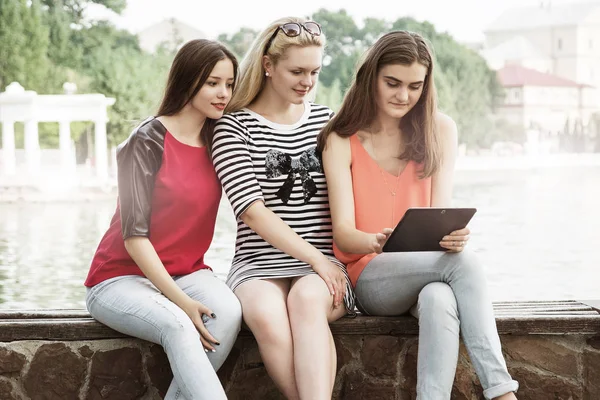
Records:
x=293, y=29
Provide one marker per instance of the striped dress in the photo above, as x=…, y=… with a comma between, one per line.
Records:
x=257, y=159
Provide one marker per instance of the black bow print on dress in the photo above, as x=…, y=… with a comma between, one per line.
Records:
x=278, y=163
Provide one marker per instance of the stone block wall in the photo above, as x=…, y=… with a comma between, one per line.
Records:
x=548, y=367
x=98, y=369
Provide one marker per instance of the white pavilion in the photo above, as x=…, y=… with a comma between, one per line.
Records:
x=30, y=108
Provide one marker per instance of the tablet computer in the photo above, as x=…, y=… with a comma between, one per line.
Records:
x=422, y=229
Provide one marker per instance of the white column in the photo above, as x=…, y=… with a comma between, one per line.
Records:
x=113, y=161
x=101, y=148
x=9, y=160
x=64, y=144
x=32, y=147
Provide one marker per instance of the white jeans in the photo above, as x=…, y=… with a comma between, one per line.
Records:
x=134, y=306
x=448, y=293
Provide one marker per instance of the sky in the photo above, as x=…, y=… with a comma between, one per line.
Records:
x=464, y=19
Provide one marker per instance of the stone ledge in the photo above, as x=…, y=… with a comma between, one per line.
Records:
x=551, y=348
x=516, y=318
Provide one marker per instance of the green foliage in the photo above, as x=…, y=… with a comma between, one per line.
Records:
x=239, y=42
x=48, y=133
x=75, y=8
x=113, y=64
x=466, y=86
x=60, y=51
x=332, y=96
x=341, y=52
x=373, y=28
x=136, y=81
x=44, y=43
x=35, y=46
x=40, y=49
x=425, y=29
x=12, y=42
x=99, y=39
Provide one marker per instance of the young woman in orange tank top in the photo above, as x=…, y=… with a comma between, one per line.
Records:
x=389, y=149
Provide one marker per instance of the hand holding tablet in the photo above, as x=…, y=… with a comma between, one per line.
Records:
x=422, y=229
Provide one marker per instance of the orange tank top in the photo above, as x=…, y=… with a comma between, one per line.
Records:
x=373, y=200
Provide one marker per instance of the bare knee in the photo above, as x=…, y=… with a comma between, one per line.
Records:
x=308, y=299
x=268, y=322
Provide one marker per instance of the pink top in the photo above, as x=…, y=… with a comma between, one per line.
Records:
x=185, y=201
x=373, y=201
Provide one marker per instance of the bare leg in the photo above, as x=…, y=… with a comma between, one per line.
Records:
x=333, y=356
x=508, y=396
x=264, y=311
x=310, y=311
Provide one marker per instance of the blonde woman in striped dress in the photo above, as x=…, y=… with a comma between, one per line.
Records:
x=284, y=271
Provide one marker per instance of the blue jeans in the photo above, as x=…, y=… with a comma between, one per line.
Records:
x=134, y=306
x=447, y=292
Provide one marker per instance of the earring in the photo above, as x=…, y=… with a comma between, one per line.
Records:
x=266, y=74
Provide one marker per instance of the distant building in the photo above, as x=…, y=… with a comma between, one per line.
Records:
x=548, y=61
x=517, y=51
x=544, y=101
x=170, y=32
x=561, y=39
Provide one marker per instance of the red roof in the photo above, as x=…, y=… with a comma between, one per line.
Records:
x=516, y=75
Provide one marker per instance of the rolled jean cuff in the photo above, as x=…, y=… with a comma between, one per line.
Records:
x=501, y=389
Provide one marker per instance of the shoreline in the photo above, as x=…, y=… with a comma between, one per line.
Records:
x=525, y=162
x=12, y=193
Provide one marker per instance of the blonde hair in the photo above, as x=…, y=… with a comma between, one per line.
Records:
x=252, y=73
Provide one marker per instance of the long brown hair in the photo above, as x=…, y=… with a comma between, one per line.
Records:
x=191, y=68
x=359, y=108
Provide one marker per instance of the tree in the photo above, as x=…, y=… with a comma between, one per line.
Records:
x=76, y=8
x=467, y=87
x=45, y=42
x=341, y=51
x=425, y=29
x=102, y=36
x=12, y=42
x=135, y=79
x=35, y=47
x=110, y=61
x=59, y=51
x=61, y=54
x=332, y=96
x=373, y=28
x=239, y=42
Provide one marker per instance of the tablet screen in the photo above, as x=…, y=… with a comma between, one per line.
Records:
x=421, y=229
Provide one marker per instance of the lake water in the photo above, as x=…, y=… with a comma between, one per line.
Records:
x=536, y=232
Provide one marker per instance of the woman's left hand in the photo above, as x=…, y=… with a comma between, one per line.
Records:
x=334, y=279
x=456, y=241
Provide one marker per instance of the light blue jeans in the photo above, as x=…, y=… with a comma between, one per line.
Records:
x=134, y=306
x=447, y=292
